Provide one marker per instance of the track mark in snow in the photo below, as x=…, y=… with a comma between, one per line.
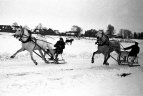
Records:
x=22, y=74
x=66, y=69
x=123, y=74
x=55, y=78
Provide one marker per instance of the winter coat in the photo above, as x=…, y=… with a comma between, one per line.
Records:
x=60, y=45
x=134, y=50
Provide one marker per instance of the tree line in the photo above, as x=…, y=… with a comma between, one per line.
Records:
x=76, y=31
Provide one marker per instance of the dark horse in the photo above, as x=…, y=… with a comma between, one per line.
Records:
x=69, y=41
x=106, y=46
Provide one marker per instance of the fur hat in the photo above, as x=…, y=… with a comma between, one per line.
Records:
x=136, y=43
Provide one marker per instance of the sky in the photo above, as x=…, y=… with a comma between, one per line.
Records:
x=63, y=14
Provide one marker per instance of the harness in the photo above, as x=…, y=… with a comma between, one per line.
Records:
x=102, y=42
x=29, y=38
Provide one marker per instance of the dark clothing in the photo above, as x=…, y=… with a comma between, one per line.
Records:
x=134, y=50
x=60, y=45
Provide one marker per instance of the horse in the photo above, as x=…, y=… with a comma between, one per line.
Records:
x=106, y=46
x=30, y=44
x=69, y=41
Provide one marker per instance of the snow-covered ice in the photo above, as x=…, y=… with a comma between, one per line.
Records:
x=78, y=77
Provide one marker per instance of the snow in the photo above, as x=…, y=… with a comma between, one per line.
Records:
x=78, y=77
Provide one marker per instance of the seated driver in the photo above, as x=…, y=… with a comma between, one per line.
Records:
x=60, y=45
x=134, y=50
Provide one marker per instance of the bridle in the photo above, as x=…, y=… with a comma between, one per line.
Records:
x=22, y=35
x=99, y=39
x=101, y=34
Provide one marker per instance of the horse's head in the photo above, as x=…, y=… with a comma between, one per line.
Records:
x=22, y=34
x=100, y=33
x=18, y=33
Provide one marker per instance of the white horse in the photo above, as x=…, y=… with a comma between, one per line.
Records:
x=30, y=44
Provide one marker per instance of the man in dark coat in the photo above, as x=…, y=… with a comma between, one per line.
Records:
x=60, y=45
x=134, y=49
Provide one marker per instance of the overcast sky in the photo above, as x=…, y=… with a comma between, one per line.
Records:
x=62, y=14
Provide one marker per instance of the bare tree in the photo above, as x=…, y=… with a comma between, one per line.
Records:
x=26, y=26
x=110, y=31
x=77, y=30
x=38, y=28
x=125, y=33
x=15, y=24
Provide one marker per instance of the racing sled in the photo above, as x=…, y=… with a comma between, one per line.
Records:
x=128, y=60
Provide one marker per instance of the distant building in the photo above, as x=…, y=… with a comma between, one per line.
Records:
x=71, y=33
x=6, y=28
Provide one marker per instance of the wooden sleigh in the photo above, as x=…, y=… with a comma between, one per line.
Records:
x=128, y=60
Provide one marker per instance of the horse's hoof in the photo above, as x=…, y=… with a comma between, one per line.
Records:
x=105, y=63
x=47, y=62
x=119, y=63
x=92, y=61
x=11, y=56
x=36, y=63
x=56, y=62
x=51, y=58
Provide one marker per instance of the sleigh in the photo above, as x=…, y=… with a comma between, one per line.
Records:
x=128, y=60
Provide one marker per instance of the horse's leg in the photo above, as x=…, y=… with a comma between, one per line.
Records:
x=20, y=50
x=62, y=57
x=106, y=57
x=43, y=57
x=96, y=52
x=52, y=53
x=56, y=56
x=48, y=52
x=119, y=56
x=70, y=42
x=31, y=54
